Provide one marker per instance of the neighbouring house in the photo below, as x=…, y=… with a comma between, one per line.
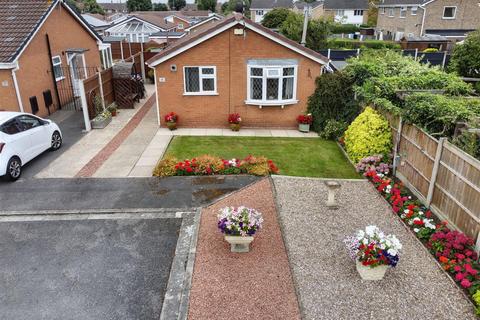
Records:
x=97, y=22
x=440, y=43
x=46, y=49
x=235, y=66
x=316, y=8
x=114, y=7
x=347, y=11
x=415, y=18
x=259, y=8
x=138, y=26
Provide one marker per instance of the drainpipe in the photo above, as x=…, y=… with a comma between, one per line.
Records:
x=55, y=84
x=17, y=89
x=423, y=20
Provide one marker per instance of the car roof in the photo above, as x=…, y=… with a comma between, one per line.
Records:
x=6, y=115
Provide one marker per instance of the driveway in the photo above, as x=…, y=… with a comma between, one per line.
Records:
x=86, y=269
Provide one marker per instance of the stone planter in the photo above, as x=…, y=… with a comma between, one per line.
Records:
x=368, y=273
x=302, y=127
x=172, y=125
x=100, y=123
x=238, y=243
x=235, y=126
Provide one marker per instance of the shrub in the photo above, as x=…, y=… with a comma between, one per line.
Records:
x=305, y=119
x=466, y=57
x=469, y=142
x=430, y=50
x=165, y=167
x=273, y=19
x=333, y=99
x=333, y=129
x=368, y=134
x=207, y=164
x=258, y=166
x=344, y=43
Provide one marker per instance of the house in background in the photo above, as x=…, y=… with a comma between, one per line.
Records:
x=347, y=11
x=418, y=18
x=114, y=7
x=97, y=22
x=235, y=66
x=45, y=46
x=259, y=8
x=316, y=8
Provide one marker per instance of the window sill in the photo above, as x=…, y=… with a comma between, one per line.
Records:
x=200, y=93
x=261, y=104
x=59, y=79
x=445, y=18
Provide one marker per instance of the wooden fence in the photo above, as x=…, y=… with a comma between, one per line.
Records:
x=442, y=176
x=123, y=50
x=92, y=88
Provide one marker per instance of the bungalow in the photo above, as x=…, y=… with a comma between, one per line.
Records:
x=235, y=66
x=46, y=45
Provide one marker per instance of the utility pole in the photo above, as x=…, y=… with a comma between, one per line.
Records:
x=306, y=13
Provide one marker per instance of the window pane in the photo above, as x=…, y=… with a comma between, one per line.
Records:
x=192, y=82
x=256, y=85
x=288, y=71
x=208, y=84
x=287, y=88
x=256, y=72
x=207, y=71
x=449, y=12
x=58, y=71
x=272, y=89
x=273, y=72
x=29, y=122
x=10, y=127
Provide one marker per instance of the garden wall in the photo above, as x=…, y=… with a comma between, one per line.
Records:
x=444, y=177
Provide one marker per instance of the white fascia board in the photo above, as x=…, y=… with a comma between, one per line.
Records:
x=8, y=65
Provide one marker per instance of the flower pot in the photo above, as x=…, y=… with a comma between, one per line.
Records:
x=303, y=127
x=172, y=125
x=368, y=273
x=114, y=113
x=235, y=126
x=238, y=243
x=100, y=123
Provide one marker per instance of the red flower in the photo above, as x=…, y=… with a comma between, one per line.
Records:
x=234, y=118
x=465, y=283
x=443, y=259
x=171, y=117
x=305, y=119
x=418, y=222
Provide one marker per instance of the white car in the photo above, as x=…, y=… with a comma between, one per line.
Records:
x=24, y=136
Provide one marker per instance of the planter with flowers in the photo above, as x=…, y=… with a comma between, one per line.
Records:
x=171, y=120
x=239, y=225
x=373, y=252
x=304, y=122
x=234, y=120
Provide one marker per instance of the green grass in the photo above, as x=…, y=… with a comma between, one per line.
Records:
x=306, y=157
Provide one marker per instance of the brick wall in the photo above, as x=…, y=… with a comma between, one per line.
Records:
x=409, y=24
x=467, y=15
x=8, y=98
x=229, y=53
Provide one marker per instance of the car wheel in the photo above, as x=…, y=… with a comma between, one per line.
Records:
x=56, y=141
x=14, y=168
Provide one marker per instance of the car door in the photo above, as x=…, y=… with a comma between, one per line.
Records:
x=37, y=133
x=18, y=139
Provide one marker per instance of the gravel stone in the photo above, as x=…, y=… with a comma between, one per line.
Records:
x=327, y=283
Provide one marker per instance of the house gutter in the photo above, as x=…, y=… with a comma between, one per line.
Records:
x=17, y=89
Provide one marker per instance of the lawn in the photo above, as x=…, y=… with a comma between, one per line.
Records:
x=306, y=157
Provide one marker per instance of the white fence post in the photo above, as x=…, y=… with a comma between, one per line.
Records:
x=416, y=54
x=436, y=164
x=328, y=53
x=100, y=83
x=83, y=99
x=444, y=59
x=397, y=145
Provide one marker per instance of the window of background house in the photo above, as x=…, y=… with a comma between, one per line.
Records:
x=449, y=12
x=259, y=13
x=403, y=12
x=382, y=10
x=271, y=84
x=391, y=12
x=358, y=12
x=200, y=80
x=340, y=13
x=57, y=68
x=180, y=26
x=414, y=11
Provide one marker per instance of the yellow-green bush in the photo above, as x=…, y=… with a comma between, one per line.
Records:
x=476, y=298
x=368, y=134
x=165, y=167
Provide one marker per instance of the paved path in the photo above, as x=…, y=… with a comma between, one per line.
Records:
x=254, y=285
x=327, y=282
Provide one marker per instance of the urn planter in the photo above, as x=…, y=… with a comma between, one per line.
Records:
x=172, y=125
x=372, y=274
x=235, y=126
x=239, y=244
x=304, y=127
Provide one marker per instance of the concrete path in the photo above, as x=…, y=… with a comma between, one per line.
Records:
x=327, y=282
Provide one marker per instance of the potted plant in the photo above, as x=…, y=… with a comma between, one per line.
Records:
x=101, y=120
x=373, y=252
x=234, y=120
x=304, y=122
x=171, y=120
x=113, y=109
x=239, y=225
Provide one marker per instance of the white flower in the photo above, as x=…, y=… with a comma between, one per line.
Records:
x=371, y=230
x=403, y=215
x=360, y=234
x=406, y=211
x=416, y=230
x=392, y=252
x=420, y=213
x=410, y=222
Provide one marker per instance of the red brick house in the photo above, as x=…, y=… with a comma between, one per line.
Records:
x=235, y=66
x=44, y=46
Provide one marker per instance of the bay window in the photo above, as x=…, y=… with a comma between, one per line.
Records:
x=271, y=84
x=200, y=80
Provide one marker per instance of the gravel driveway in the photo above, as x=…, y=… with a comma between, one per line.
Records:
x=327, y=283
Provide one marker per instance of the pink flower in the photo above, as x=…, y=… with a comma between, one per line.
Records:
x=457, y=268
x=465, y=283
x=459, y=276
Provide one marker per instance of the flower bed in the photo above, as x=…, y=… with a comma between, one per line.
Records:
x=454, y=250
x=211, y=165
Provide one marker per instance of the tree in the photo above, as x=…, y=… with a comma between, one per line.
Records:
x=466, y=57
x=176, y=4
x=91, y=6
x=317, y=31
x=274, y=19
x=229, y=7
x=160, y=7
x=139, y=5
x=292, y=27
x=207, y=5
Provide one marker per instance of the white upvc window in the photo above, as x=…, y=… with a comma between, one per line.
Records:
x=391, y=12
x=271, y=85
x=358, y=12
x=57, y=68
x=259, y=13
x=382, y=10
x=106, y=56
x=340, y=13
x=414, y=11
x=200, y=80
x=403, y=12
x=180, y=25
x=449, y=12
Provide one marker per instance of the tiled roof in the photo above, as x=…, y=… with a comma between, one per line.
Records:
x=270, y=4
x=345, y=4
x=212, y=27
x=19, y=19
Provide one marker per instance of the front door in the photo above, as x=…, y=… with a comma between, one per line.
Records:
x=77, y=71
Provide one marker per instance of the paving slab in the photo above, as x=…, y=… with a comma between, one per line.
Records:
x=327, y=283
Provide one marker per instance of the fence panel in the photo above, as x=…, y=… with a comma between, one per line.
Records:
x=92, y=89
